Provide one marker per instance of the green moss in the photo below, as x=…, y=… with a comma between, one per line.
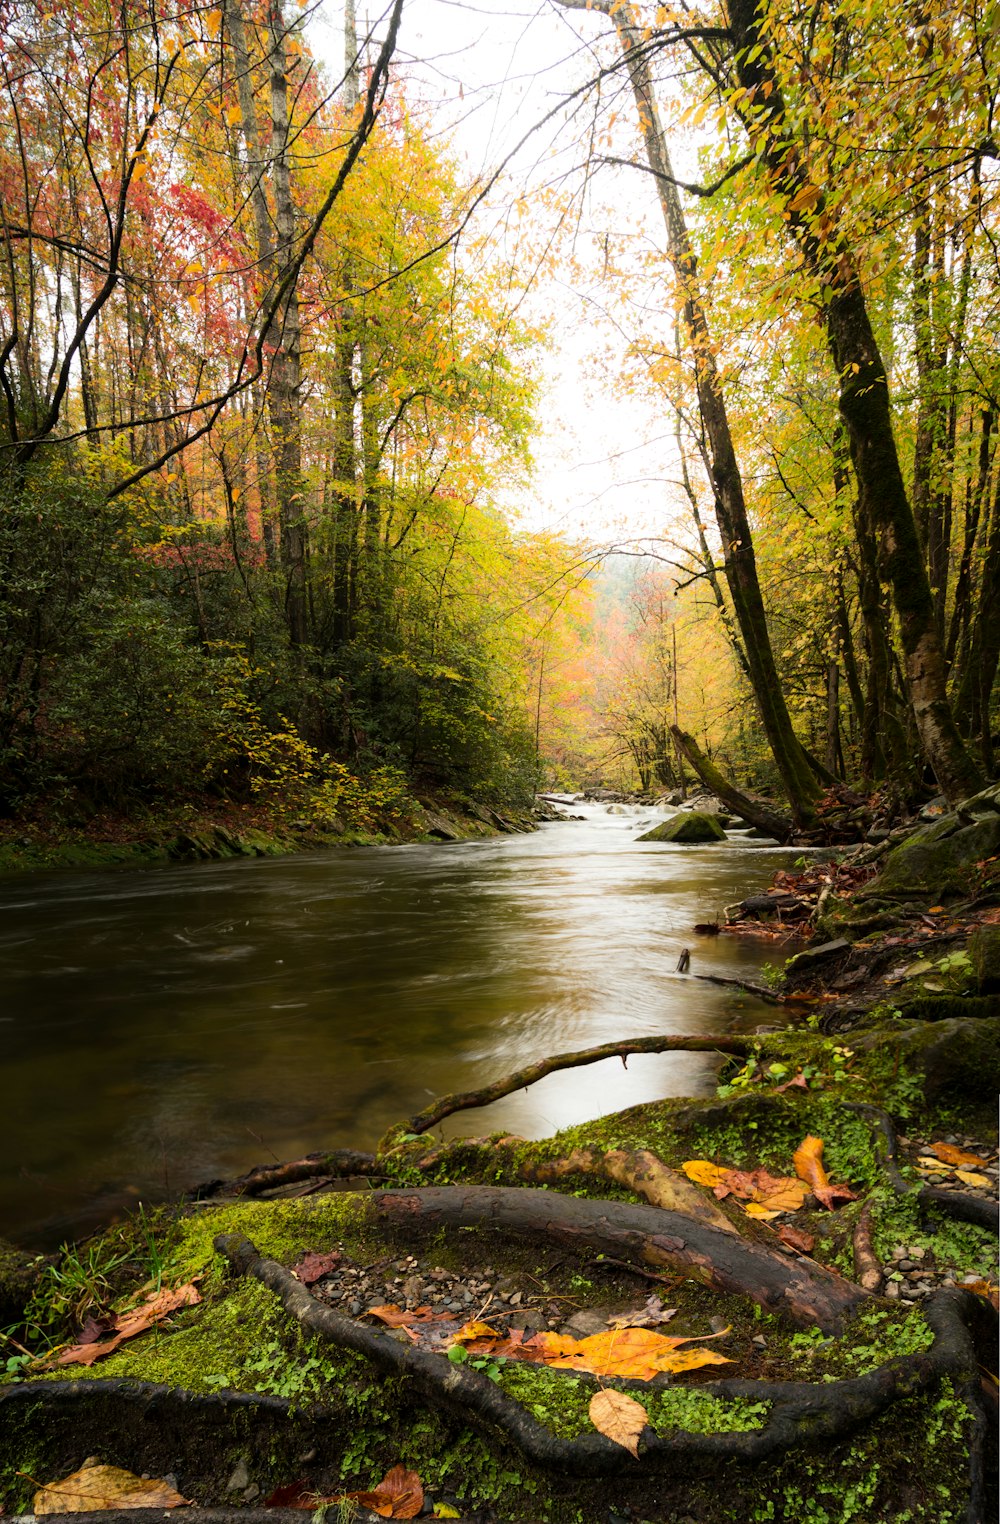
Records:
x=555, y=1399
x=696, y=1412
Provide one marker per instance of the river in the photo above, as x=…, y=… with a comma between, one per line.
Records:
x=177, y=1024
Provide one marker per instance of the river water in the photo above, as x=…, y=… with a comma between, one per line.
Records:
x=171, y=1025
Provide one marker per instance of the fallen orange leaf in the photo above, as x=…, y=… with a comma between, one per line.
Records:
x=471, y=1331
x=152, y=1311
x=97, y=1488
x=636, y=1352
x=808, y=1161
x=396, y=1317
x=399, y=1495
x=803, y=1242
x=952, y=1155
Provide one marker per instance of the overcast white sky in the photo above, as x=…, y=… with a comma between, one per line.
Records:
x=483, y=75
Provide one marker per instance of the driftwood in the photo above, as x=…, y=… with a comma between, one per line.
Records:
x=796, y=1290
x=448, y=1105
x=336, y=1164
x=756, y=812
x=800, y=1413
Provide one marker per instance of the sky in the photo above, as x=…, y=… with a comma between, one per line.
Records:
x=483, y=76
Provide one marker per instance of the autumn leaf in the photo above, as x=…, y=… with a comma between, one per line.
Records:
x=808, y=1161
x=792, y=1238
x=704, y=1173
x=312, y=1267
x=952, y=1155
x=470, y=1331
x=96, y=1488
x=128, y=1325
x=620, y=1418
x=399, y=1495
x=969, y=1177
x=396, y=1317
x=635, y=1352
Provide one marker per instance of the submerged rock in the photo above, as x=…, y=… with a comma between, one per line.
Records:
x=694, y=826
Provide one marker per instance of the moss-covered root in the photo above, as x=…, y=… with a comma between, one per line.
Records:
x=800, y=1413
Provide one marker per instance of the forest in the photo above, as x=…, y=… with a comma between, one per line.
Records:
x=401, y=444
x=271, y=383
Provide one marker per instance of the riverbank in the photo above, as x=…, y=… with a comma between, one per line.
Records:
x=818, y=1240
x=206, y=830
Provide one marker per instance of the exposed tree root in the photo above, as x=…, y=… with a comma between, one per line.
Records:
x=801, y=1413
x=867, y=1268
x=797, y=1290
x=642, y=1172
x=339, y=1163
x=986, y=1214
x=448, y=1105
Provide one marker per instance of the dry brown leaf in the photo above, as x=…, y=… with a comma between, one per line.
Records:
x=399, y=1495
x=952, y=1155
x=969, y=1177
x=129, y=1324
x=620, y=1418
x=312, y=1267
x=94, y=1489
x=808, y=1161
x=805, y=1243
x=396, y=1317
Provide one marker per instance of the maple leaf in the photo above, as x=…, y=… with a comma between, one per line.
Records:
x=620, y=1418
x=808, y=1161
x=96, y=1488
x=397, y=1317
x=794, y=1239
x=636, y=1352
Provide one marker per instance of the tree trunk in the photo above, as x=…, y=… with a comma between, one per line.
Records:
x=801, y=785
x=883, y=503
x=755, y=812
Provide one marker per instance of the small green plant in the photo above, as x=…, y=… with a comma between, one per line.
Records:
x=772, y=975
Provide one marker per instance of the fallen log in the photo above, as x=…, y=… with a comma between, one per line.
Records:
x=641, y=1171
x=756, y=812
x=467, y=1100
x=799, y=1291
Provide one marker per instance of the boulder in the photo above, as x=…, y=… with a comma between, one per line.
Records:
x=696, y=825
x=438, y=826
x=939, y=859
x=984, y=954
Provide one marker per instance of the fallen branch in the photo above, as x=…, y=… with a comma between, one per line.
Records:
x=338, y=1164
x=642, y=1172
x=867, y=1266
x=797, y=1290
x=448, y=1105
x=748, y=987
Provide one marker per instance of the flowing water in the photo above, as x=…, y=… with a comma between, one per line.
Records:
x=176, y=1024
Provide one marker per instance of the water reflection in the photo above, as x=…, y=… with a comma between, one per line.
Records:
x=182, y=1023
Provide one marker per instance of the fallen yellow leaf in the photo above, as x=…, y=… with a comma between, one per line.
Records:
x=620, y=1418
x=754, y=1209
x=704, y=1173
x=470, y=1331
x=969, y=1177
x=96, y=1488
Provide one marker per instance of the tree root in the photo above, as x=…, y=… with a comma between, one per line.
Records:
x=448, y=1105
x=985, y=1214
x=801, y=1413
x=798, y=1290
x=640, y=1171
x=867, y=1269
x=339, y=1163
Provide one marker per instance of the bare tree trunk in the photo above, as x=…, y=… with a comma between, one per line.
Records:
x=798, y=778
